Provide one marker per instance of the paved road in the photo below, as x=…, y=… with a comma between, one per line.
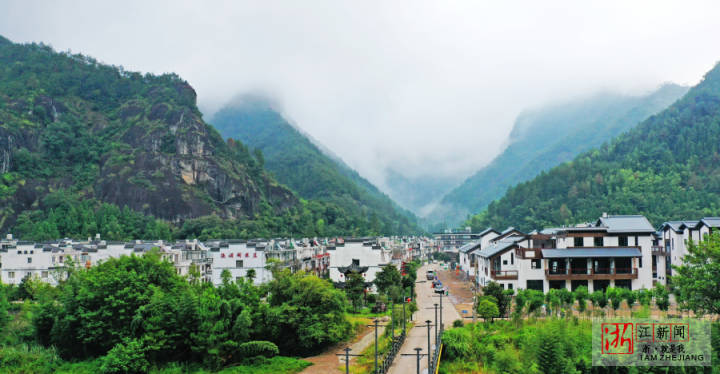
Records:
x=417, y=337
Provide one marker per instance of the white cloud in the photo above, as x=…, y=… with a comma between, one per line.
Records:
x=423, y=87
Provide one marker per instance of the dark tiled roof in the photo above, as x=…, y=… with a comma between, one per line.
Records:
x=626, y=224
x=711, y=221
x=498, y=247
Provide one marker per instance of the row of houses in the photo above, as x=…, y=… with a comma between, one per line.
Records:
x=206, y=261
x=614, y=251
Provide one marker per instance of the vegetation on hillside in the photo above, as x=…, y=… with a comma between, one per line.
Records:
x=88, y=148
x=300, y=164
x=549, y=136
x=668, y=167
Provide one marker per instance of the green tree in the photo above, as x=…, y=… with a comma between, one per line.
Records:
x=535, y=300
x=697, y=278
x=305, y=313
x=599, y=299
x=629, y=296
x=497, y=291
x=355, y=289
x=487, y=309
x=4, y=307
x=581, y=295
x=644, y=296
x=615, y=296
x=388, y=277
x=98, y=305
x=662, y=297
x=251, y=274
x=554, y=300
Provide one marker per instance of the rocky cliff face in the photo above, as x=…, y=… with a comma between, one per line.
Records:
x=143, y=145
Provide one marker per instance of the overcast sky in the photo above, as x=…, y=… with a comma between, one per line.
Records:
x=424, y=87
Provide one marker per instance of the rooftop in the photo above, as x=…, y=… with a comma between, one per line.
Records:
x=625, y=224
x=499, y=246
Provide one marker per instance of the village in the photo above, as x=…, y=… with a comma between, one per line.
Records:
x=453, y=267
x=623, y=251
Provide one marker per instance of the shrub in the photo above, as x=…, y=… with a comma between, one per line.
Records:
x=126, y=357
x=487, y=309
x=581, y=295
x=457, y=344
x=458, y=323
x=258, y=348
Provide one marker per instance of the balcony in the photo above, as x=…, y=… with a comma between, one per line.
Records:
x=504, y=274
x=526, y=253
x=660, y=251
x=587, y=274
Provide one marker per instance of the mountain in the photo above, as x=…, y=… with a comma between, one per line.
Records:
x=87, y=148
x=667, y=168
x=547, y=137
x=298, y=162
x=419, y=194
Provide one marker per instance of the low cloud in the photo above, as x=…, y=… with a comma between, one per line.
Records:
x=426, y=88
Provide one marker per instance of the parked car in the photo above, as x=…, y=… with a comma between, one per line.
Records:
x=439, y=288
x=430, y=274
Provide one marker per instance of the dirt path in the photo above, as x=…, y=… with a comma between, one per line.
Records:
x=460, y=293
x=329, y=362
x=417, y=337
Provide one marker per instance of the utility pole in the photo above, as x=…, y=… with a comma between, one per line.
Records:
x=392, y=321
x=418, y=359
x=436, y=321
x=404, y=318
x=429, y=350
x=441, y=308
x=417, y=354
x=376, y=348
x=376, y=324
x=347, y=358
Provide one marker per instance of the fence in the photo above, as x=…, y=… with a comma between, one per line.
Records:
x=435, y=361
x=391, y=353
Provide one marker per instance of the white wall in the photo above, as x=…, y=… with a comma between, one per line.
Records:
x=343, y=256
x=227, y=257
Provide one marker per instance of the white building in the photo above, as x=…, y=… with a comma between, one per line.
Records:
x=615, y=251
x=238, y=257
x=358, y=252
x=674, y=236
x=467, y=258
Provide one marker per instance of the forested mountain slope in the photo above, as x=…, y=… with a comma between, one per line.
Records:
x=88, y=148
x=549, y=136
x=300, y=164
x=667, y=167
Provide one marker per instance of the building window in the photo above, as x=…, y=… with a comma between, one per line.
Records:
x=578, y=241
x=623, y=241
x=11, y=274
x=44, y=274
x=535, y=264
x=29, y=260
x=239, y=263
x=504, y=262
x=639, y=261
x=512, y=259
x=510, y=286
x=598, y=241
